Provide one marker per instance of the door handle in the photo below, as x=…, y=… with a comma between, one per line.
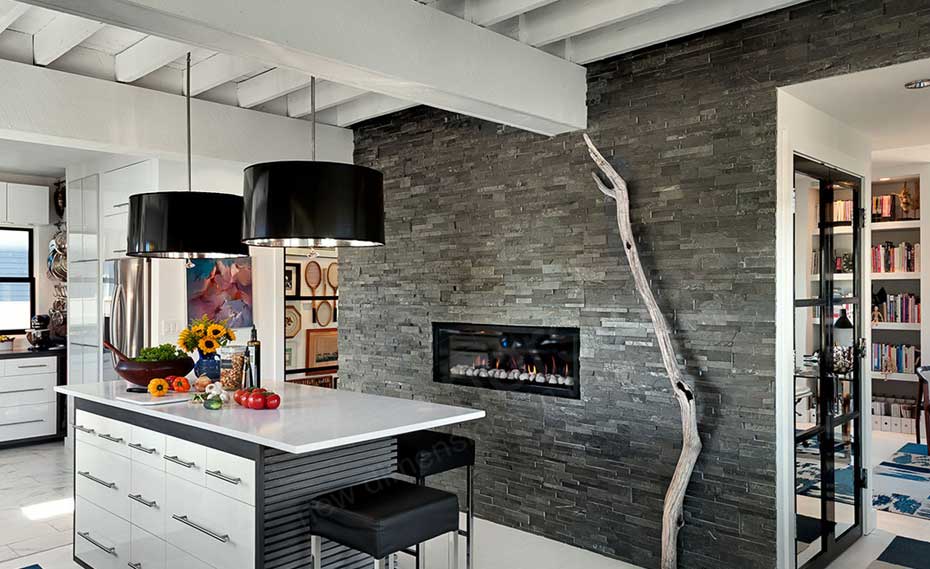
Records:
x=183, y=519
x=97, y=544
x=180, y=462
x=22, y=422
x=31, y=366
x=84, y=429
x=109, y=437
x=223, y=477
x=21, y=391
x=143, y=501
x=137, y=446
x=134, y=565
x=91, y=477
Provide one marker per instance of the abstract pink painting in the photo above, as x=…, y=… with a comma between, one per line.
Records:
x=221, y=289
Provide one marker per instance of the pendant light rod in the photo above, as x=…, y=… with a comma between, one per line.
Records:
x=190, y=185
x=313, y=118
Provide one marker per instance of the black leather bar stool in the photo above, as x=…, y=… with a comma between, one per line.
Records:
x=425, y=453
x=383, y=517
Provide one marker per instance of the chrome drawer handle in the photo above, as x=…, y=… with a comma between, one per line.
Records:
x=32, y=366
x=110, y=438
x=137, y=446
x=123, y=204
x=183, y=519
x=93, y=478
x=134, y=565
x=14, y=423
x=223, y=477
x=84, y=429
x=97, y=544
x=180, y=462
x=22, y=390
x=143, y=501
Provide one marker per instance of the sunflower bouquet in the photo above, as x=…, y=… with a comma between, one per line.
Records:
x=205, y=335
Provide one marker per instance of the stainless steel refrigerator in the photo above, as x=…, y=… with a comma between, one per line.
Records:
x=127, y=305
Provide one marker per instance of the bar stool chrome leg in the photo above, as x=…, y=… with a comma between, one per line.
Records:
x=454, y=549
x=421, y=547
x=469, y=516
x=316, y=551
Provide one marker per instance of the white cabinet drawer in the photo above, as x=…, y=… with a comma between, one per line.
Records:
x=147, y=499
x=115, y=235
x=16, y=367
x=231, y=475
x=102, y=478
x=178, y=559
x=147, y=551
x=147, y=447
x=86, y=426
x=185, y=459
x=210, y=526
x=101, y=540
x=27, y=421
x=27, y=391
x=113, y=435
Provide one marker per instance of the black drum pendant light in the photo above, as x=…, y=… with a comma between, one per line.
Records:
x=305, y=203
x=176, y=225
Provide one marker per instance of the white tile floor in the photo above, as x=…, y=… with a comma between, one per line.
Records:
x=42, y=476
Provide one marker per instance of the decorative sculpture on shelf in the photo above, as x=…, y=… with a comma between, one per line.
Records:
x=672, y=518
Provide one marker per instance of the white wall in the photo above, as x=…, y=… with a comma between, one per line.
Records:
x=805, y=130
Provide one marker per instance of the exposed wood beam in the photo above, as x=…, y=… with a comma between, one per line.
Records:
x=147, y=56
x=565, y=19
x=664, y=25
x=393, y=47
x=60, y=36
x=328, y=94
x=363, y=108
x=45, y=106
x=10, y=12
x=221, y=68
x=270, y=85
x=490, y=12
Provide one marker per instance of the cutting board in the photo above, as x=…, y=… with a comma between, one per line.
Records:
x=146, y=399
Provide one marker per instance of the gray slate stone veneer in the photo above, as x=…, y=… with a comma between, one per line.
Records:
x=492, y=225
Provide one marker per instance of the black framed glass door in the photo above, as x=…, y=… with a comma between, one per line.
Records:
x=829, y=350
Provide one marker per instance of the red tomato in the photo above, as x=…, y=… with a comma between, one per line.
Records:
x=240, y=395
x=272, y=401
x=256, y=400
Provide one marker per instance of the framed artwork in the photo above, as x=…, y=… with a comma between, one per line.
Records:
x=222, y=290
x=322, y=348
x=291, y=279
x=292, y=321
x=288, y=356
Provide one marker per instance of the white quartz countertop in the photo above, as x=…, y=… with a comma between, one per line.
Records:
x=309, y=419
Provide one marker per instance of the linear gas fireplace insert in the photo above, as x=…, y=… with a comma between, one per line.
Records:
x=530, y=359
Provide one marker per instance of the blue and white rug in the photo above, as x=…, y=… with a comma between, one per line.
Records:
x=900, y=484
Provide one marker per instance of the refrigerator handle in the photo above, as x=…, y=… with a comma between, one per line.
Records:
x=116, y=337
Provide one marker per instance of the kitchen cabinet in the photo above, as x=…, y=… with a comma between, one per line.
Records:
x=23, y=204
x=29, y=406
x=117, y=185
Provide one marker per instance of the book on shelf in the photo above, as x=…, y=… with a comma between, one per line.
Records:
x=895, y=358
x=900, y=309
x=901, y=258
x=843, y=210
x=888, y=208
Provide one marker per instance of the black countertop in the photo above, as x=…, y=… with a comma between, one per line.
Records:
x=25, y=353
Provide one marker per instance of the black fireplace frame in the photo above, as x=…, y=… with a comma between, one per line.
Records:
x=565, y=391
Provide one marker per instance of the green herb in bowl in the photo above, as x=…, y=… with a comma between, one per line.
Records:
x=160, y=353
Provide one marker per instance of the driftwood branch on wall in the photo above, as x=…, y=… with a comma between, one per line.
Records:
x=672, y=516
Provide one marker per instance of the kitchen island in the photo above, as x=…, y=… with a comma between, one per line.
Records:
x=182, y=487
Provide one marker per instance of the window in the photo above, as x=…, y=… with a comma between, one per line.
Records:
x=17, y=285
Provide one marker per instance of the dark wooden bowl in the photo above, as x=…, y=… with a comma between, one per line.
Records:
x=140, y=373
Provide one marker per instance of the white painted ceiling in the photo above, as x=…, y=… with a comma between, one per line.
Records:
x=876, y=103
x=581, y=31
x=30, y=159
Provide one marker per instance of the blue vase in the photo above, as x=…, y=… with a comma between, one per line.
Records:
x=208, y=365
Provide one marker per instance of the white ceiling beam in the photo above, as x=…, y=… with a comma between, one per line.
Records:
x=10, y=12
x=44, y=106
x=490, y=12
x=60, y=36
x=221, y=68
x=270, y=85
x=147, y=56
x=328, y=94
x=664, y=25
x=394, y=47
x=565, y=19
x=361, y=109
